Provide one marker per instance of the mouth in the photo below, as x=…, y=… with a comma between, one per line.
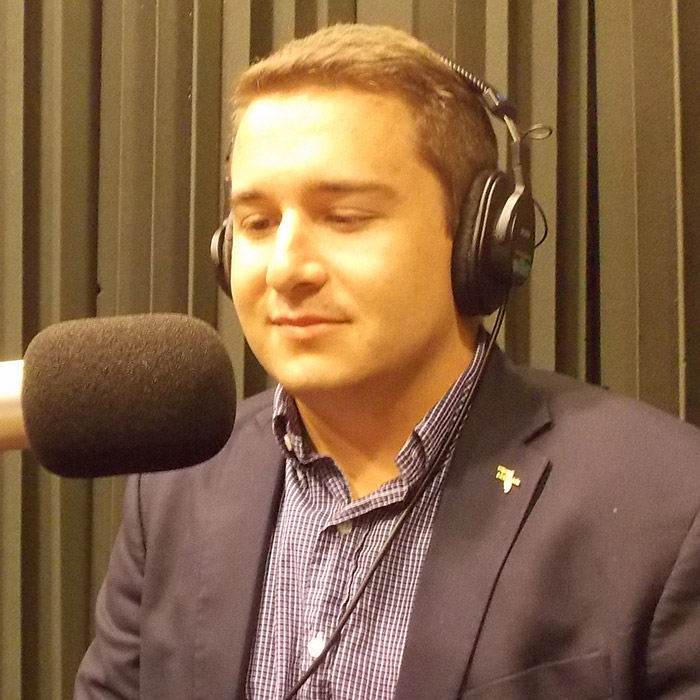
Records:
x=304, y=327
x=301, y=321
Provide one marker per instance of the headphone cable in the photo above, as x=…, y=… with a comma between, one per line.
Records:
x=335, y=635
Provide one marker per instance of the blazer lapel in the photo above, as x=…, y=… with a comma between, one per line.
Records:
x=480, y=515
x=238, y=510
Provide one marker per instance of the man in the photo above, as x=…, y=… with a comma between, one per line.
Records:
x=545, y=546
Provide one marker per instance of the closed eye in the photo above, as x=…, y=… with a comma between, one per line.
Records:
x=256, y=223
x=348, y=219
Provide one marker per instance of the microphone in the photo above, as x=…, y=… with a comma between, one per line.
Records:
x=119, y=395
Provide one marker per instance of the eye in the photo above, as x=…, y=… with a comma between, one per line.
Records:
x=256, y=224
x=348, y=219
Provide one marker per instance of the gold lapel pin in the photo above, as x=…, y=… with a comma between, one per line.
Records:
x=507, y=476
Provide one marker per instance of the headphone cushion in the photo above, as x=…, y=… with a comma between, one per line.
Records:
x=220, y=250
x=476, y=292
x=227, y=251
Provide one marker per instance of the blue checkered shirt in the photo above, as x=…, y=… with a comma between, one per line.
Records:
x=322, y=547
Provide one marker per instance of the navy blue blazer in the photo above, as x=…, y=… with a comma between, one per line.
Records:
x=580, y=582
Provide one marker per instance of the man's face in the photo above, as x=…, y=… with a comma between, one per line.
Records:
x=341, y=255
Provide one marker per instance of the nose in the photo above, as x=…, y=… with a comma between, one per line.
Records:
x=295, y=264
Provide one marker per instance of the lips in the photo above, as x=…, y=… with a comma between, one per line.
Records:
x=306, y=327
x=302, y=321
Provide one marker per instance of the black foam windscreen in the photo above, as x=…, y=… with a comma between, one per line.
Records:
x=127, y=394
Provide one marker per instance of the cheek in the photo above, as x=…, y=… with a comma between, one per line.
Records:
x=248, y=271
x=417, y=273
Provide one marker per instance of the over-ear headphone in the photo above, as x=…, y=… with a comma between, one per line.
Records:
x=495, y=239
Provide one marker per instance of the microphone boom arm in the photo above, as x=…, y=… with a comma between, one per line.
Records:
x=12, y=432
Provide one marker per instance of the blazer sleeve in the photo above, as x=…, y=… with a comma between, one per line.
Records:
x=110, y=667
x=673, y=652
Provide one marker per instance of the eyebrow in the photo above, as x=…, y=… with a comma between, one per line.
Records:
x=324, y=187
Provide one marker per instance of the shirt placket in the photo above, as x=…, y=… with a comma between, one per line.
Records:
x=333, y=576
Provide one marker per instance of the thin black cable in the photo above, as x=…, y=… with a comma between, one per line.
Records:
x=544, y=219
x=335, y=635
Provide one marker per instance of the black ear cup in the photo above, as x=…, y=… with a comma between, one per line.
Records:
x=494, y=243
x=220, y=251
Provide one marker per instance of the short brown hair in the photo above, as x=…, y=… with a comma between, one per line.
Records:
x=454, y=132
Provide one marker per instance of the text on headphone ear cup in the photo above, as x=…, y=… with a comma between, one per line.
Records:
x=514, y=241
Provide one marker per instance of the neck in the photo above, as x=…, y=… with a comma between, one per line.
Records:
x=364, y=428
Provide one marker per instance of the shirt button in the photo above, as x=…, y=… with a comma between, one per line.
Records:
x=316, y=646
x=344, y=528
x=288, y=442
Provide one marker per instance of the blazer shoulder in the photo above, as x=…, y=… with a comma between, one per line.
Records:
x=252, y=427
x=614, y=431
x=255, y=407
x=565, y=393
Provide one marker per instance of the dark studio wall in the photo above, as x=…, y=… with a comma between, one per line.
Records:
x=113, y=131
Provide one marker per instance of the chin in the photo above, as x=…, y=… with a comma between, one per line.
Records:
x=305, y=386
x=307, y=373
x=313, y=382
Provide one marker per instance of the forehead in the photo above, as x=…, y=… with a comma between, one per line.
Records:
x=320, y=93
x=323, y=123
